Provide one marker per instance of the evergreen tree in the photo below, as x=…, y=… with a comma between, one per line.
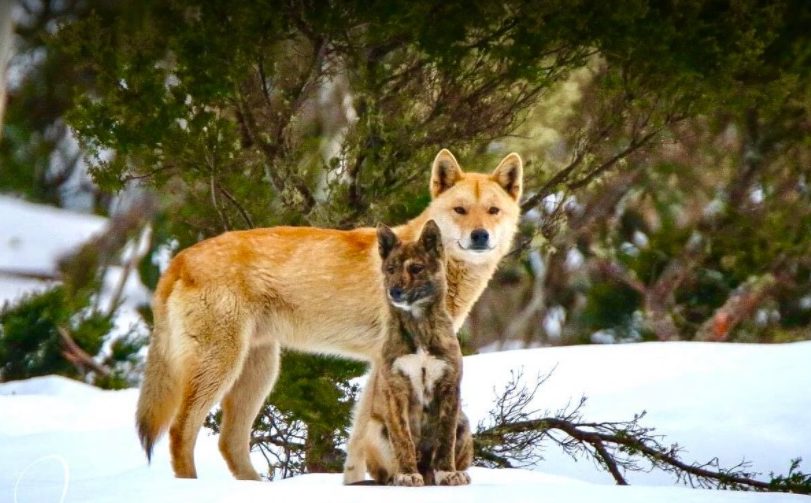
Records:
x=243, y=115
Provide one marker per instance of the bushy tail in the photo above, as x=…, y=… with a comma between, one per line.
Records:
x=159, y=398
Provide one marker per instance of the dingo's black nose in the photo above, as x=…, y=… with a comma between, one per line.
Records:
x=396, y=293
x=479, y=239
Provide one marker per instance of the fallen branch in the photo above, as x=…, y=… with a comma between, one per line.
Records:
x=514, y=434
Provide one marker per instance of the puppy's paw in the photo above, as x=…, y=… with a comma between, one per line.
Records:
x=452, y=478
x=408, y=479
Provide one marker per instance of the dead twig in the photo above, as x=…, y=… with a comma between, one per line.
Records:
x=78, y=356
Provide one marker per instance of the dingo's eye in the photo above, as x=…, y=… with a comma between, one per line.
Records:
x=391, y=269
x=415, y=268
x=460, y=210
x=493, y=210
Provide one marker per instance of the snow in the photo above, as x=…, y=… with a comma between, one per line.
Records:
x=58, y=435
x=35, y=236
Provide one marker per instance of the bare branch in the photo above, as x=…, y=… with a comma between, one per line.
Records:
x=239, y=207
x=78, y=356
x=609, y=462
x=634, y=145
x=616, y=271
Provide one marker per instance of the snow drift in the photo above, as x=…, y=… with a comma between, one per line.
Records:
x=61, y=440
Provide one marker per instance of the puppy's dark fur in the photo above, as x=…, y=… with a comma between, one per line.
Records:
x=409, y=429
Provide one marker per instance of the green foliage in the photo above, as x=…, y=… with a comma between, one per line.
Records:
x=31, y=343
x=37, y=154
x=609, y=306
x=316, y=390
x=122, y=361
x=310, y=380
x=230, y=112
x=794, y=481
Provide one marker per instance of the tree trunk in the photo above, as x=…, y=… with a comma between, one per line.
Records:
x=743, y=302
x=5, y=53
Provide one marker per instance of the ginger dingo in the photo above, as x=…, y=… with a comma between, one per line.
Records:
x=225, y=307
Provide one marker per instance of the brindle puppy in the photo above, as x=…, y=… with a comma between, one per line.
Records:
x=409, y=429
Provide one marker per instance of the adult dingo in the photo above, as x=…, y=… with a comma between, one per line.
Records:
x=225, y=307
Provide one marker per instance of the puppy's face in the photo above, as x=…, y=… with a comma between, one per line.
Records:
x=413, y=273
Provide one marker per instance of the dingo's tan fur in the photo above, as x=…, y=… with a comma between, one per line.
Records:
x=225, y=306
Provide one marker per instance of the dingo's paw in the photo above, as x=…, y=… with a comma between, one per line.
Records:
x=452, y=478
x=408, y=479
x=351, y=475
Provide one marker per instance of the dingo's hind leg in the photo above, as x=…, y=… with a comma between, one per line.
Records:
x=217, y=344
x=241, y=405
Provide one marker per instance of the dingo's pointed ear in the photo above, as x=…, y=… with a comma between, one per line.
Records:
x=510, y=175
x=444, y=173
x=386, y=240
x=431, y=238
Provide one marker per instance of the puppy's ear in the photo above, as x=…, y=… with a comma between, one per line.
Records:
x=510, y=175
x=444, y=173
x=386, y=240
x=431, y=239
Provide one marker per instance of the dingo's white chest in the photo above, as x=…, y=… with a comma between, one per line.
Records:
x=423, y=370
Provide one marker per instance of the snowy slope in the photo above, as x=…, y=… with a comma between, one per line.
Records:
x=34, y=236
x=731, y=400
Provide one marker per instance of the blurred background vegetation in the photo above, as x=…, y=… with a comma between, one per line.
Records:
x=667, y=149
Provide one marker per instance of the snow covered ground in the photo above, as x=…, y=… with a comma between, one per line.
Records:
x=61, y=440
